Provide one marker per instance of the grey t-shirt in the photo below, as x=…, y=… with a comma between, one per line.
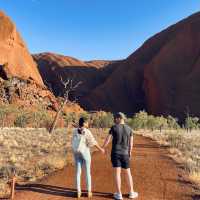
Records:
x=121, y=138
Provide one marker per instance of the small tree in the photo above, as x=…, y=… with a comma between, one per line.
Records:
x=191, y=123
x=95, y=122
x=69, y=87
x=141, y=119
x=172, y=122
x=161, y=123
x=151, y=122
x=106, y=120
x=134, y=123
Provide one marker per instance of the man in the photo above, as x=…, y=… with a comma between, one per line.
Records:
x=122, y=144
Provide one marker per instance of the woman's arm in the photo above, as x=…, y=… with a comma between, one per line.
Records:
x=107, y=141
x=99, y=148
x=92, y=142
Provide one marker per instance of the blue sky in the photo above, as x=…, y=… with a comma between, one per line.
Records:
x=93, y=29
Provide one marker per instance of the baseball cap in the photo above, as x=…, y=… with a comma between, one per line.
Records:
x=120, y=115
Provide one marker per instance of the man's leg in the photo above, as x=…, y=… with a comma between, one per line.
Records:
x=129, y=180
x=117, y=175
x=116, y=162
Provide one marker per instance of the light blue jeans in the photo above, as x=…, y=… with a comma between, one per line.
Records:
x=80, y=161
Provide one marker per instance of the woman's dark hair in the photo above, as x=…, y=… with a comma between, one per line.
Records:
x=81, y=122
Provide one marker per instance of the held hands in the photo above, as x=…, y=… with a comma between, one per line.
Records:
x=102, y=150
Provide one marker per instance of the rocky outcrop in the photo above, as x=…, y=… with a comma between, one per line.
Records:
x=98, y=63
x=28, y=94
x=20, y=81
x=14, y=55
x=53, y=67
x=162, y=76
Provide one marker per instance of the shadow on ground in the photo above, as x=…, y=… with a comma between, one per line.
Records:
x=58, y=191
x=196, y=197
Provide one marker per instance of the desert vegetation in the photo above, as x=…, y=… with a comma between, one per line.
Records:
x=183, y=140
x=183, y=147
x=31, y=152
x=15, y=116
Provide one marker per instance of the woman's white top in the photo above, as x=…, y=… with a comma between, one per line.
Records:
x=87, y=135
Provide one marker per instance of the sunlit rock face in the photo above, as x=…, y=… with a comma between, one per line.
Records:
x=14, y=55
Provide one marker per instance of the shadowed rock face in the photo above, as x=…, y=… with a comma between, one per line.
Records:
x=172, y=77
x=162, y=76
x=92, y=73
x=14, y=54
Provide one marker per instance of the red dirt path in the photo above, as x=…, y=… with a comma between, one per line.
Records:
x=156, y=177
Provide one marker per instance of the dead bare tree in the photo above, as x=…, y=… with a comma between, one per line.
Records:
x=68, y=87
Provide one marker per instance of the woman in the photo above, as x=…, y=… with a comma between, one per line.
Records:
x=82, y=140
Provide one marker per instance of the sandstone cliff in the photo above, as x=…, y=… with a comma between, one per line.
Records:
x=14, y=55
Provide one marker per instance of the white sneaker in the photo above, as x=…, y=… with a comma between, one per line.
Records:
x=133, y=195
x=118, y=196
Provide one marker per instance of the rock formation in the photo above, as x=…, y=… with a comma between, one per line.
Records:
x=53, y=67
x=14, y=55
x=162, y=76
x=20, y=81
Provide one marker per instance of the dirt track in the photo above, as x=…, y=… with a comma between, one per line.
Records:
x=156, y=177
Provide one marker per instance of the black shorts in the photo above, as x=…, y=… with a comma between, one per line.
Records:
x=119, y=160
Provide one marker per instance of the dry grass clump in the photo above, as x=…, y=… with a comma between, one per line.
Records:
x=31, y=153
x=4, y=189
x=184, y=147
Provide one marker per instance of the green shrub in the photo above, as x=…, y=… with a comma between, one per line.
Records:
x=139, y=120
x=5, y=112
x=191, y=123
x=142, y=118
x=172, y=122
x=3, y=115
x=22, y=120
x=161, y=123
x=40, y=119
x=107, y=120
x=70, y=118
x=85, y=115
x=102, y=120
x=134, y=123
x=152, y=122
